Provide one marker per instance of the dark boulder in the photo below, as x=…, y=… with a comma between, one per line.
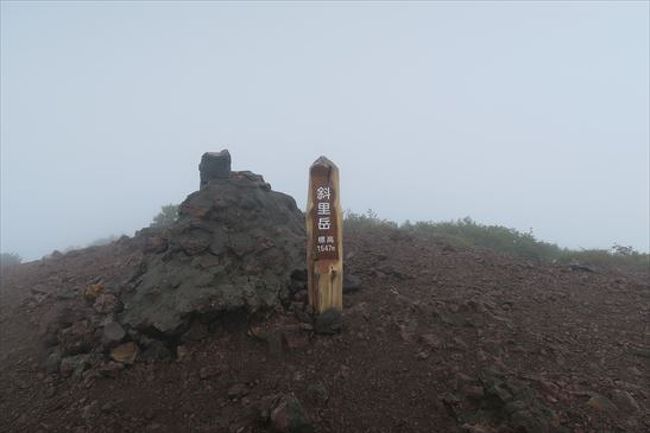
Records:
x=329, y=322
x=77, y=338
x=112, y=334
x=235, y=247
x=351, y=283
x=288, y=416
x=53, y=362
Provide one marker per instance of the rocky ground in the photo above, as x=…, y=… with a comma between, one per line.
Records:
x=433, y=339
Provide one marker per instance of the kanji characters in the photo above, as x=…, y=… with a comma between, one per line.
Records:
x=323, y=193
x=324, y=223
x=323, y=208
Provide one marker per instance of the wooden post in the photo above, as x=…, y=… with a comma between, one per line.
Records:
x=324, y=237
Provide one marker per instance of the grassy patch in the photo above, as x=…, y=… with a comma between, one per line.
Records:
x=467, y=233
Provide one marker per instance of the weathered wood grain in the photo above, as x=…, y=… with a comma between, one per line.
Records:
x=324, y=223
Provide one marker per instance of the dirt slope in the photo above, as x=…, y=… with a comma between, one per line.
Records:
x=436, y=340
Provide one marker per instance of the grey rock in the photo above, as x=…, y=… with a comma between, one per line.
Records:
x=214, y=165
x=205, y=373
x=529, y=422
x=53, y=362
x=297, y=286
x=90, y=411
x=625, y=401
x=106, y=303
x=218, y=241
x=238, y=390
x=317, y=393
x=74, y=365
x=288, y=416
x=299, y=275
x=154, y=244
x=113, y=333
x=642, y=352
x=515, y=403
x=301, y=296
x=294, y=338
x=575, y=266
x=194, y=241
x=77, y=338
x=235, y=247
x=110, y=368
x=196, y=332
x=156, y=350
x=351, y=283
x=601, y=403
x=328, y=322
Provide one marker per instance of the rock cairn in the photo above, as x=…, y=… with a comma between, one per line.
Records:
x=237, y=248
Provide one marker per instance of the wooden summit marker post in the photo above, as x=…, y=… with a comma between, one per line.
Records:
x=324, y=237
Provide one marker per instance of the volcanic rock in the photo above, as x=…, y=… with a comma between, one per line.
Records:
x=238, y=390
x=214, y=165
x=514, y=403
x=601, y=403
x=125, y=353
x=93, y=291
x=351, y=283
x=74, y=365
x=329, y=322
x=625, y=401
x=77, y=338
x=234, y=248
x=106, y=303
x=112, y=333
x=317, y=393
x=288, y=416
x=156, y=350
x=53, y=362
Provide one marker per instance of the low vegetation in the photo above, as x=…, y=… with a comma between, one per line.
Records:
x=168, y=215
x=103, y=241
x=467, y=233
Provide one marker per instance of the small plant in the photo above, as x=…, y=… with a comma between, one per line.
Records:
x=168, y=215
x=357, y=222
x=103, y=241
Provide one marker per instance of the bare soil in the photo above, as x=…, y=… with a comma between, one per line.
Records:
x=436, y=340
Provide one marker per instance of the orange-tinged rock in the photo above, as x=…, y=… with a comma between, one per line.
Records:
x=125, y=353
x=601, y=403
x=93, y=291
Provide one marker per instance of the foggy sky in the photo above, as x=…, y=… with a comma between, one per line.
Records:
x=521, y=114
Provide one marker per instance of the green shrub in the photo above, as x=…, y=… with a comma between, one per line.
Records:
x=168, y=215
x=466, y=233
x=103, y=241
x=355, y=222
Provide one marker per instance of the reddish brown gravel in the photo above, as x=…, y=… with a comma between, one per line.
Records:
x=436, y=339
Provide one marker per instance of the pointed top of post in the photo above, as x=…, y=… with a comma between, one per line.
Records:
x=324, y=161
